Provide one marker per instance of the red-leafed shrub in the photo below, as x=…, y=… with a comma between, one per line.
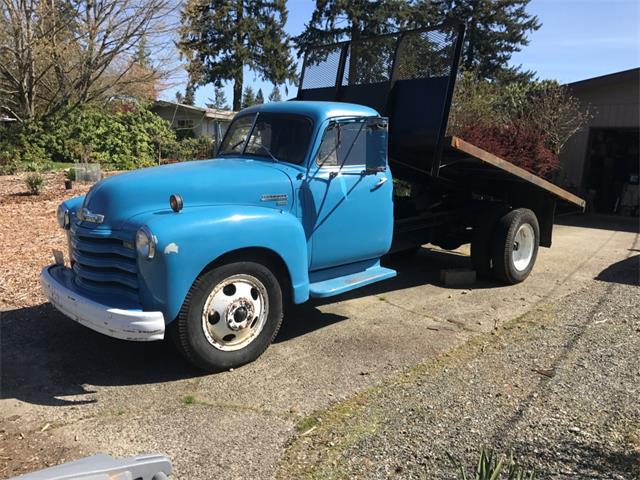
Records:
x=518, y=143
x=526, y=123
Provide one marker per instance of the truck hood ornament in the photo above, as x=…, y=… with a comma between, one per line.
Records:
x=87, y=216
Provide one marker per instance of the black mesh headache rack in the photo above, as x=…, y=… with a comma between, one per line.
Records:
x=409, y=77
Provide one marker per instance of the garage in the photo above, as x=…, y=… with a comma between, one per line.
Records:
x=601, y=161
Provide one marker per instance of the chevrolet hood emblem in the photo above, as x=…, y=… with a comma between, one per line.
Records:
x=87, y=216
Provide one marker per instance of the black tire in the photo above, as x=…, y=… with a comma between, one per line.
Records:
x=504, y=244
x=189, y=331
x=482, y=241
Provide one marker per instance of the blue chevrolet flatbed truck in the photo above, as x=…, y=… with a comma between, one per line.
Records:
x=300, y=202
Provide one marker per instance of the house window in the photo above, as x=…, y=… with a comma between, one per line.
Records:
x=185, y=123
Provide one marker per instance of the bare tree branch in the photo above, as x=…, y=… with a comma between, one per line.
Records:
x=58, y=54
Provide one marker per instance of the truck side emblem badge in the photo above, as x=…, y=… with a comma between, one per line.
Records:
x=281, y=197
x=87, y=216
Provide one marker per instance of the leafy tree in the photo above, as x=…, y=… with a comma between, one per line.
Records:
x=57, y=56
x=260, y=97
x=275, y=96
x=495, y=30
x=248, y=97
x=220, y=37
x=219, y=101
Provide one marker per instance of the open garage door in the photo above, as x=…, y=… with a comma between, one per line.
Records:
x=611, y=177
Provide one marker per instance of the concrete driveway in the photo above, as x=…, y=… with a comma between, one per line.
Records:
x=68, y=392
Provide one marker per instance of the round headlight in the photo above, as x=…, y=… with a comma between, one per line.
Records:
x=145, y=243
x=63, y=216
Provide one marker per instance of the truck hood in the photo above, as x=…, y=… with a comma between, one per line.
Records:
x=200, y=183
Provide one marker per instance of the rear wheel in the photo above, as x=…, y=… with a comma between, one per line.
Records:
x=515, y=249
x=230, y=316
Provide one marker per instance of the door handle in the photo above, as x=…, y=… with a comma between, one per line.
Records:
x=381, y=182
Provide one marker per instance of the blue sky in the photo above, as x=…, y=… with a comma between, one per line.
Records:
x=578, y=39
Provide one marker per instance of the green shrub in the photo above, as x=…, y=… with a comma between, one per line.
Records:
x=34, y=154
x=491, y=467
x=485, y=113
x=31, y=166
x=70, y=174
x=119, y=139
x=34, y=182
x=9, y=161
x=188, y=149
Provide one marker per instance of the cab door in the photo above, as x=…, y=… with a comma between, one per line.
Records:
x=348, y=194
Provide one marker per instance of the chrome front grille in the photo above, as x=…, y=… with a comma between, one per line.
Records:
x=105, y=263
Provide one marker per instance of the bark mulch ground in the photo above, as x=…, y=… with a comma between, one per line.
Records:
x=28, y=234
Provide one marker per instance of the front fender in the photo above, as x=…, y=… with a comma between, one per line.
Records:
x=190, y=240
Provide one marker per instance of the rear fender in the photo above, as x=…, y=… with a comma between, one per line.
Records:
x=189, y=241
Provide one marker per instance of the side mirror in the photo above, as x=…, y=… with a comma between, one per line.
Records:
x=377, y=133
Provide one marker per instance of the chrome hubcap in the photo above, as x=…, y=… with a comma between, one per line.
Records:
x=235, y=312
x=523, y=247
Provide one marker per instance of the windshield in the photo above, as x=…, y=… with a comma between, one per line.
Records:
x=275, y=136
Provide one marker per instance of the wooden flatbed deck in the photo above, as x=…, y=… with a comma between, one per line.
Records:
x=468, y=152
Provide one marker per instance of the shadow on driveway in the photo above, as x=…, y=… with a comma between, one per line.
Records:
x=624, y=272
x=46, y=358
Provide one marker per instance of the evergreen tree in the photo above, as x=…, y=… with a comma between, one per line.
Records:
x=337, y=20
x=260, y=97
x=220, y=37
x=219, y=101
x=248, y=97
x=143, y=56
x=495, y=30
x=179, y=97
x=275, y=96
x=189, y=95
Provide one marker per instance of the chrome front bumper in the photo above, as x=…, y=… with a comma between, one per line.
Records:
x=135, y=325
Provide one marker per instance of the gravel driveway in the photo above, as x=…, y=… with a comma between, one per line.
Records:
x=67, y=391
x=559, y=387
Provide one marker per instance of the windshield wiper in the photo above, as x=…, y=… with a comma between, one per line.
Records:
x=269, y=152
x=231, y=150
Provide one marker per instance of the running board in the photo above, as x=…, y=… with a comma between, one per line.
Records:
x=337, y=280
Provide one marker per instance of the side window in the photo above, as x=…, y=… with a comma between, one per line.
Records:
x=327, y=156
x=343, y=145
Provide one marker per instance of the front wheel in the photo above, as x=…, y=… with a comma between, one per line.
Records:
x=515, y=248
x=230, y=316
